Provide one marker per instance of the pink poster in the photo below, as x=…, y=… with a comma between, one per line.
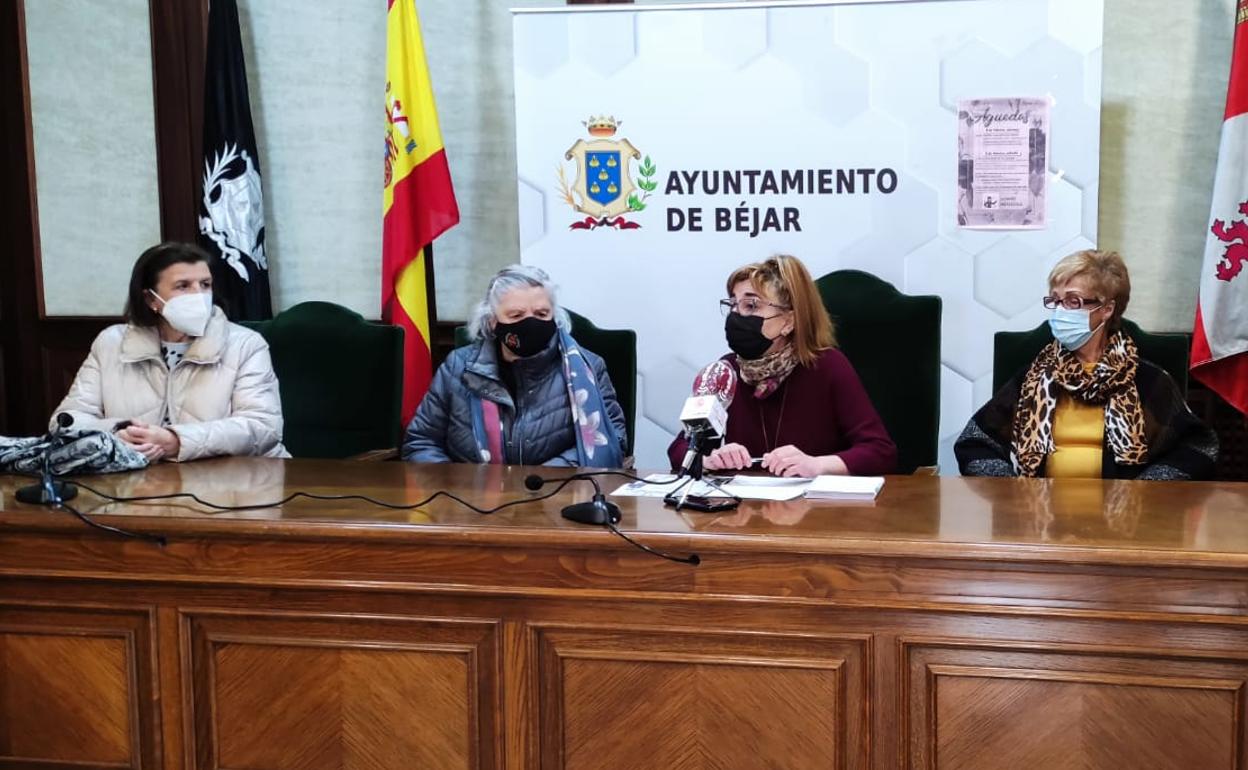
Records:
x=1003, y=162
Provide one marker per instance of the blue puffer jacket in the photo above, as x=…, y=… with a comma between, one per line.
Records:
x=536, y=431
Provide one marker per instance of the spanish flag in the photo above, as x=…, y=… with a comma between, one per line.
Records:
x=418, y=203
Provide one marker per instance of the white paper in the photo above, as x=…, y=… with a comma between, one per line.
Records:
x=832, y=487
x=665, y=483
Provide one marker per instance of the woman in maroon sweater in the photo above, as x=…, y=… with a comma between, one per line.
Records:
x=799, y=405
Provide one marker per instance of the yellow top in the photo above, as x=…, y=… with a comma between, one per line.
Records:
x=1078, y=438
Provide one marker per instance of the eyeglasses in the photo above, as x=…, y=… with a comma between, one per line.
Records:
x=1070, y=302
x=748, y=306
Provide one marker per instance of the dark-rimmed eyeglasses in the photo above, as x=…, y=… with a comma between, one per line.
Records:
x=1071, y=302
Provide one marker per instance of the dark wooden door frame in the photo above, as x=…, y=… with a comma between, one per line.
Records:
x=40, y=354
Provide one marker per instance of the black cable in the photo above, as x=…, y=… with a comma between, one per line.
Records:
x=535, y=482
x=85, y=519
x=312, y=496
x=692, y=558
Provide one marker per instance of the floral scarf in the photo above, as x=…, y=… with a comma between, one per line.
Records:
x=597, y=444
x=766, y=373
x=1111, y=382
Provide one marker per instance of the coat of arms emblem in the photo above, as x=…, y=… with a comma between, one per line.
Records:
x=605, y=187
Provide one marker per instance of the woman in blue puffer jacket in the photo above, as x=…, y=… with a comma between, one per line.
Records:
x=524, y=392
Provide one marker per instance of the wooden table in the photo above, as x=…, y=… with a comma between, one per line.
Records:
x=954, y=623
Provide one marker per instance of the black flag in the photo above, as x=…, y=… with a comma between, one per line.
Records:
x=231, y=211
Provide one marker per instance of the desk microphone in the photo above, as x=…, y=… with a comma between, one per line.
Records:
x=599, y=510
x=49, y=491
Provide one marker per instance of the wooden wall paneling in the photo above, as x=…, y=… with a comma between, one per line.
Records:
x=38, y=351
x=178, y=29
x=19, y=275
x=77, y=688
x=1059, y=706
x=64, y=346
x=643, y=697
x=287, y=691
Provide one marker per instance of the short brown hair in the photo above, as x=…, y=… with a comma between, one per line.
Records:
x=146, y=274
x=788, y=282
x=1107, y=273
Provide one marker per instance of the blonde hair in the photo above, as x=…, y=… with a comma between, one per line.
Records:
x=785, y=279
x=1107, y=273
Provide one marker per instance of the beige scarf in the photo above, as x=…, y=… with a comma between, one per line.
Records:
x=766, y=373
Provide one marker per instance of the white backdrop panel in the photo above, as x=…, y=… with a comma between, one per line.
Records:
x=852, y=85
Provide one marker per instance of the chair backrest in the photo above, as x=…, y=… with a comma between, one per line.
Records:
x=618, y=349
x=893, y=341
x=341, y=379
x=1012, y=352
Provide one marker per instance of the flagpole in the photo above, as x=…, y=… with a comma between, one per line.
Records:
x=432, y=299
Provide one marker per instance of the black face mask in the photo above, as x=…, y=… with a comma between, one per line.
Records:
x=525, y=337
x=745, y=335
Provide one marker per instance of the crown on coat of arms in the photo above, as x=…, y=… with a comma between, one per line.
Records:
x=602, y=125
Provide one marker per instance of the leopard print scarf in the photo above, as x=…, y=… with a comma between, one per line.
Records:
x=766, y=373
x=1111, y=383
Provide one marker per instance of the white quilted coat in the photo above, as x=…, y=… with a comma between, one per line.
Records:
x=221, y=398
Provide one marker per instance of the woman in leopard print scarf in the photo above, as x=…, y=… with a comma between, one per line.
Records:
x=1088, y=405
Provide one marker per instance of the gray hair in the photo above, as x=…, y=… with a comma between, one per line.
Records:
x=508, y=279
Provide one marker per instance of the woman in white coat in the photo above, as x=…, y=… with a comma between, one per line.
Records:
x=178, y=381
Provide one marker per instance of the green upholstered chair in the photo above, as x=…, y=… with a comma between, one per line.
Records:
x=893, y=341
x=1012, y=352
x=618, y=349
x=341, y=379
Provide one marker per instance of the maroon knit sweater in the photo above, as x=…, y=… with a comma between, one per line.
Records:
x=821, y=410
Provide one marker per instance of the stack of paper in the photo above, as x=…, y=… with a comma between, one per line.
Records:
x=766, y=487
x=845, y=487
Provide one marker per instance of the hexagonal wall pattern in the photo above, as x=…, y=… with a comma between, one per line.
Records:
x=533, y=213
x=940, y=267
x=540, y=61
x=664, y=387
x=600, y=43
x=1047, y=67
x=892, y=238
x=1009, y=277
x=839, y=87
x=836, y=81
x=735, y=38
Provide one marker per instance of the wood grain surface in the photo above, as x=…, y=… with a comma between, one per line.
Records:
x=952, y=623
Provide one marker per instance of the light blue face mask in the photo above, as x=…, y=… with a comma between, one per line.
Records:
x=1070, y=327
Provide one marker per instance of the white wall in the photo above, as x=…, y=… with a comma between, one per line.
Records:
x=95, y=148
x=1165, y=69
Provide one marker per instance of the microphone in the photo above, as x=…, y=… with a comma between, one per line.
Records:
x=49, y=491
x=599, y=510
x=705, y=413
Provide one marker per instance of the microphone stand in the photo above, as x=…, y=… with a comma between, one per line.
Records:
x=49, y=491
x=599, y=510
x=696, y=440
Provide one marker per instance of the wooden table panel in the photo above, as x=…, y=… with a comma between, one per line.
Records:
x=289, y=691
x=949, y=623
x=637, y=697
x=981, y=706
x=75, y=687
